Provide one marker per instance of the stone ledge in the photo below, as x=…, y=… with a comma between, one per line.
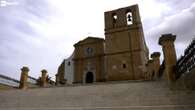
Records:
x=155, y=54
x=166, y=37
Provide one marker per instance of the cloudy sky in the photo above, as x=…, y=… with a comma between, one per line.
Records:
x=41, y=33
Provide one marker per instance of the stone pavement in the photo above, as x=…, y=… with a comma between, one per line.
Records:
x=146, y=95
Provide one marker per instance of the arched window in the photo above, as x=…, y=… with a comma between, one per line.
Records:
x=129, y=17
x=114, y=18
x=89, y=51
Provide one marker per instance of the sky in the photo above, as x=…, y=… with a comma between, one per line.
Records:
x=41, y=33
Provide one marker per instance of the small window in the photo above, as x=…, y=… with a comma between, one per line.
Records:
x=69, y=63
x=124, y=66
x=89, y=51
x=114, y=18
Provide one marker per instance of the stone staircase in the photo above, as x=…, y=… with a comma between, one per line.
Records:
x=130, y=95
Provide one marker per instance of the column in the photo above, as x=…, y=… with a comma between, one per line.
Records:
x=156, y=62
x=24, y=78
x=167, y=43
x=44, y=78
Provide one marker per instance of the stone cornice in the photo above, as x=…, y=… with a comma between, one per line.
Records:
x=166, y=37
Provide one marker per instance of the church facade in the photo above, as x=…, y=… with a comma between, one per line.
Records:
x=122, y=55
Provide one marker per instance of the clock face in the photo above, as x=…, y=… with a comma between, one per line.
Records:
x=89, y=51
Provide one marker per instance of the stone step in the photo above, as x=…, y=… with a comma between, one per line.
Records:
x=126, y=95
x=159, y=107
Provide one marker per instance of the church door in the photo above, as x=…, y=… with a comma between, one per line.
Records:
x=89, y=77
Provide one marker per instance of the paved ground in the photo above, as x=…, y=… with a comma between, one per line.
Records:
x=112, y=96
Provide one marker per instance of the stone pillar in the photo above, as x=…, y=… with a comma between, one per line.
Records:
x=150, y=70
x=24, y=78
x=167, y=43
x=156, y=63
x=43, y=78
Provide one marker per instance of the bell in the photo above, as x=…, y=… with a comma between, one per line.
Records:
x=129, y=17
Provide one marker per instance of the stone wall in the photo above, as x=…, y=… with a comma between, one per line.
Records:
x=61, y=73
x=186, y=81
x=89, y=59
x=125, y=47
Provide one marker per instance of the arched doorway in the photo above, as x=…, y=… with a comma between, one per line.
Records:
x=89, y=77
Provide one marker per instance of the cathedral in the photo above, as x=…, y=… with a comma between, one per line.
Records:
x=122, y=55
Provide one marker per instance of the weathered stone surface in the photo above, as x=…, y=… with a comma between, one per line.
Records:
x=186, y=81
x=150, y=70
x=125, y=47
x=167, y=43
x=23, y=78
x=156, y=63
x=166, y=38
x=123, y=54
x=44, y=78
x=60, y=76
x=155, y=55
x=111, y=96
x=89, y=60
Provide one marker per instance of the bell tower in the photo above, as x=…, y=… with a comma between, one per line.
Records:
x=126, y=50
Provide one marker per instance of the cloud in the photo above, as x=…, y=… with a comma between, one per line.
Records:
x=180, y=23
x=40, y=34
x=20, y=43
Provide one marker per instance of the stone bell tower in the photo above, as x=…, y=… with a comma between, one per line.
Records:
x=126, y=50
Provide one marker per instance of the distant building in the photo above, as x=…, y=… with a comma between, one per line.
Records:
x=67, y=66
x=187, y=62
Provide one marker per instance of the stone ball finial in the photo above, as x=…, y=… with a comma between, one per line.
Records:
x=25, y=69
x=166, y=37
x=44, y=71
x=155, y=54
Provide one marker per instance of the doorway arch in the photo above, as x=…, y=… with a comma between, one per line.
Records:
x=89, y=78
